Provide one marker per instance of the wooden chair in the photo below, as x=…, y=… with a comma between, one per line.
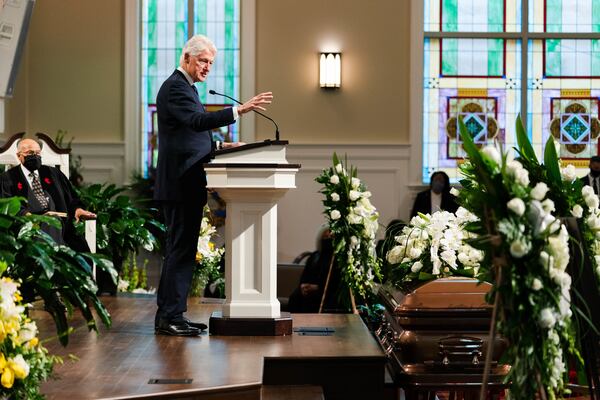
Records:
x=51, y=155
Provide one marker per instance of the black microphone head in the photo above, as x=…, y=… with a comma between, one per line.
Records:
x=211, y=91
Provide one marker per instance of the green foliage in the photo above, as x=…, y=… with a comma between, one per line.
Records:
x=122, y=226
x=59, y=275
x=522, y=238
x=135, y=276
x=353, y=221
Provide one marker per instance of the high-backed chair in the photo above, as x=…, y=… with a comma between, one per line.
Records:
x=51, y=155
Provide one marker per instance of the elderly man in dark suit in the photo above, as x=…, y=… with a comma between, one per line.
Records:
x=47, y=190
x=184, y=145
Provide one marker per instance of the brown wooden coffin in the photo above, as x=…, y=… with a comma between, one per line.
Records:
x=440, y=327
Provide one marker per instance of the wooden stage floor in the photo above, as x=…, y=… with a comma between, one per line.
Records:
x=120, y=362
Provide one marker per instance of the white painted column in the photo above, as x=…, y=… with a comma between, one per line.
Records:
x=1, y=115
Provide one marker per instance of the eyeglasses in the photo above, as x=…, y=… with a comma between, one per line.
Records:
x=31, y=153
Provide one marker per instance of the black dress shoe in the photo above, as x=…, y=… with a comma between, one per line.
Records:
x=197, y=325
x=176, y=329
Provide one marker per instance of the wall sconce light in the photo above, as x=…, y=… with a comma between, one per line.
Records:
x=330, y=70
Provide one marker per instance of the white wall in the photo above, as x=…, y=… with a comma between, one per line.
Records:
x=383, y=168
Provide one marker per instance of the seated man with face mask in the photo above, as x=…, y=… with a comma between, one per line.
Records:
x=47, y=190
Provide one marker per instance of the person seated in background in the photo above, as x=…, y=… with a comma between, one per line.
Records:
x=593, y=178
x=306, y=298
x=436, y=198
x=384, y=245
x=47, y=191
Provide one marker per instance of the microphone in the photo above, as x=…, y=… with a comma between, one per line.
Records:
x=258, y=112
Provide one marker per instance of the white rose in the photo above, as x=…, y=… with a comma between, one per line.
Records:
x=395, y=254
x=592, y=201
x=339, y=169
x=597, y=259
x=27, y=332
x=569, y=173
x=547, y=319
x=335, y=214
x=548, y=205
x=354, y=195
x=354, y=219
x=517, y=206
x=588, y=191
x=577, y=211
x=519, y=248
x=335, y=197
x=512, y=167
x=416, y=267
x=522, y=177
x=539, y=191
x=353, y=241
x=492, y=153
x=355, y=182
x=366, y=194
x=415, y=253
x=593, y=222
x=537, y=284
x=454, y=191
x=334, y=179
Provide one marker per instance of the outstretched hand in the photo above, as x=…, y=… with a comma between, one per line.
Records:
x=256, y=103
x=81, y=214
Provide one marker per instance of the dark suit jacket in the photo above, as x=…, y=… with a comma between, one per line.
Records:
x=58, y=187
x=423, y=203
x=184, y=140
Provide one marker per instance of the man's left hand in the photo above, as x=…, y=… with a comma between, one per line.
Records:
x=228, y=145
x=80, y=213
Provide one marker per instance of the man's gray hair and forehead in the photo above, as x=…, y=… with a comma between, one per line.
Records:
x=196, y=45
x=20, y=142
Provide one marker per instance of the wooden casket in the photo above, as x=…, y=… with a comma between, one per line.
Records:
x=436, y=335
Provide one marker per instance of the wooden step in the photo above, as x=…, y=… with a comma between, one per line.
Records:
x=292, y=392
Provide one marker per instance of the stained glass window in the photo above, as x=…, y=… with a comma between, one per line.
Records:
x=166, y=26
x=479, y=78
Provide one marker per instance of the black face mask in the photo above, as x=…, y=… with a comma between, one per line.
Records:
x=437, y=187
x=595, y=174
x=33, y=162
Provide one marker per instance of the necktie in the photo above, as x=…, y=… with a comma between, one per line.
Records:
x=38, y=191
x=195, y=89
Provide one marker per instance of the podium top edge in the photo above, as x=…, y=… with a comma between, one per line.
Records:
x=248, y=146
x=252, y=165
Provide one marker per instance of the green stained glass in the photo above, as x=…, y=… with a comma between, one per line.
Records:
x=553, y=15
x=450, y=16
x=495, y=16
x=450, y=57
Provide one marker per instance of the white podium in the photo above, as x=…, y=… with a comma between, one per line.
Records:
x=251, y=179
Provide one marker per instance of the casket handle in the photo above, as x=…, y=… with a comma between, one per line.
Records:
x=460, y=348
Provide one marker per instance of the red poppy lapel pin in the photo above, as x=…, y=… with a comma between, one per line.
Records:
x=19, y=186
x=48, y=181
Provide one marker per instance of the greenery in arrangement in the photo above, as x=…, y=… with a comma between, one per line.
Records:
x=59, y=275
x=526, y=255
x=353, y=223
x=122, y=227
x=434, y=246
x=132, y=278
x=208, y=260
x=24, y=362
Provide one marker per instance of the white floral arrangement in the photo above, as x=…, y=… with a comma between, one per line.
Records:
x=208, y=257
x=591, y=214
x=353, y=221
x=24, y=362
x=526, y=256
x=434, y=246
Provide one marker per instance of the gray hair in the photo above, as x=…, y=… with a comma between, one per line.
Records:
x=196, y=45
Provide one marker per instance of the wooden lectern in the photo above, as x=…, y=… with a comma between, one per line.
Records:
x=251, y=179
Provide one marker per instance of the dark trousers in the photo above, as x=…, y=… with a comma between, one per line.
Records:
x=183, y=221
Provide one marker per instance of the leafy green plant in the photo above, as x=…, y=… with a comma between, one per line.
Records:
x=122, y=227
x=133, y=278
x=59, y=275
